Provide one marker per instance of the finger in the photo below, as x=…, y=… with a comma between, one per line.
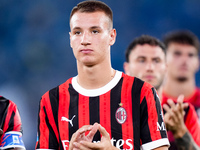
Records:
x=93, y=131
x=178, y=114
x=180, y=103
x=171, y=103
x=80, y=132
x=85, y=128
x=170, y=116
x=166, y=107
x=185, y=105
x=180, y=98
x=175, y=109
x=103, y=132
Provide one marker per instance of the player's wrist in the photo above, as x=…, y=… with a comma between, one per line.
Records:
x=180, y=132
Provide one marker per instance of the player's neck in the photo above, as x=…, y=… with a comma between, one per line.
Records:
x=96, y=76
x=174, y=88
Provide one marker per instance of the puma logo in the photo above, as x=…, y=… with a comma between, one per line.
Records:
x=68, y=120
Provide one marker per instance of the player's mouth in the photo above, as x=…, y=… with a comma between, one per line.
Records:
x=149, y=77
x=86, y=51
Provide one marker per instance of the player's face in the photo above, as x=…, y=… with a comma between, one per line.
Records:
x=182, y=61
x=147, y=63
x=91, y=37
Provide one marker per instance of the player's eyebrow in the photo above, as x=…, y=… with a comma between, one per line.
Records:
x=95, y=27
x=76, y=28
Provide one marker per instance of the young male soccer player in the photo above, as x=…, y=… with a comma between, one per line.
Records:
x=100, y=108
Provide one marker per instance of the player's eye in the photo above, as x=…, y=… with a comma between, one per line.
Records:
x=191, y=55
x=77, y=32
x=95, y=31
x=157, y=60
x=141, y=60
x=177, y=53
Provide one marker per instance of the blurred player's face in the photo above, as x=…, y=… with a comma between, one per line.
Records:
x=182, y=61
x=147, y=63
x=91, y=37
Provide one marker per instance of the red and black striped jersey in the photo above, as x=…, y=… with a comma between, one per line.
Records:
x=9, y=117
x=128, y=108
x=191, y=121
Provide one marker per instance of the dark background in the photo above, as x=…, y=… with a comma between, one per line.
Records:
x=35, y=54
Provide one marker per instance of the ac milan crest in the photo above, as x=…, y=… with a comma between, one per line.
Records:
x=121, y=115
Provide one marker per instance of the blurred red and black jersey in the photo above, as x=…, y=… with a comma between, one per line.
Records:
x=191, y=120
x=9, y=116
x=194, y=99
x=127, y=107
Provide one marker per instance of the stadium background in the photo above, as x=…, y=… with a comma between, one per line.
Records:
x=35, y=54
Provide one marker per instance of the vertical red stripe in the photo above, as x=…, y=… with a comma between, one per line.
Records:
x=64, y=101
x=126, y=100
x=83, y=107
x=105, y=118
x=51, y=118
x=44, y=131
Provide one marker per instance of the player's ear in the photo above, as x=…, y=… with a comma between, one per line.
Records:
x=70, y=34
x=113, y=34
x=126, y=68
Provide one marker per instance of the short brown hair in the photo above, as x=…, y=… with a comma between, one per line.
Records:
x=182, y=37
x=144, y=39
x=93, y=6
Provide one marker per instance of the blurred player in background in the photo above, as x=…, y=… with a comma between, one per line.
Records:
x=182, y=64
x=10, y=126
x=146, y=59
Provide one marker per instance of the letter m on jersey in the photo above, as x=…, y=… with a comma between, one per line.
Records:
x=161, y=127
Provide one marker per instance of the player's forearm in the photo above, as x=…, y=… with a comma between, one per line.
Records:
x=186, y=143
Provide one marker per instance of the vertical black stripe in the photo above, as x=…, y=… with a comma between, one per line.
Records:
x=4, y=103
x=186, y=112
x=144, y=131
x=53, y=143
x=54, y=100
x=73, y=110
x=60, y=144
x=11, y=122
x=94, y=114
x=159, y=112
x=136, y=93
x=115, y=100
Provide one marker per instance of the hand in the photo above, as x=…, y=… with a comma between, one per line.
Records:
x=174, y=117
x=104, y=144
x=79, y=135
